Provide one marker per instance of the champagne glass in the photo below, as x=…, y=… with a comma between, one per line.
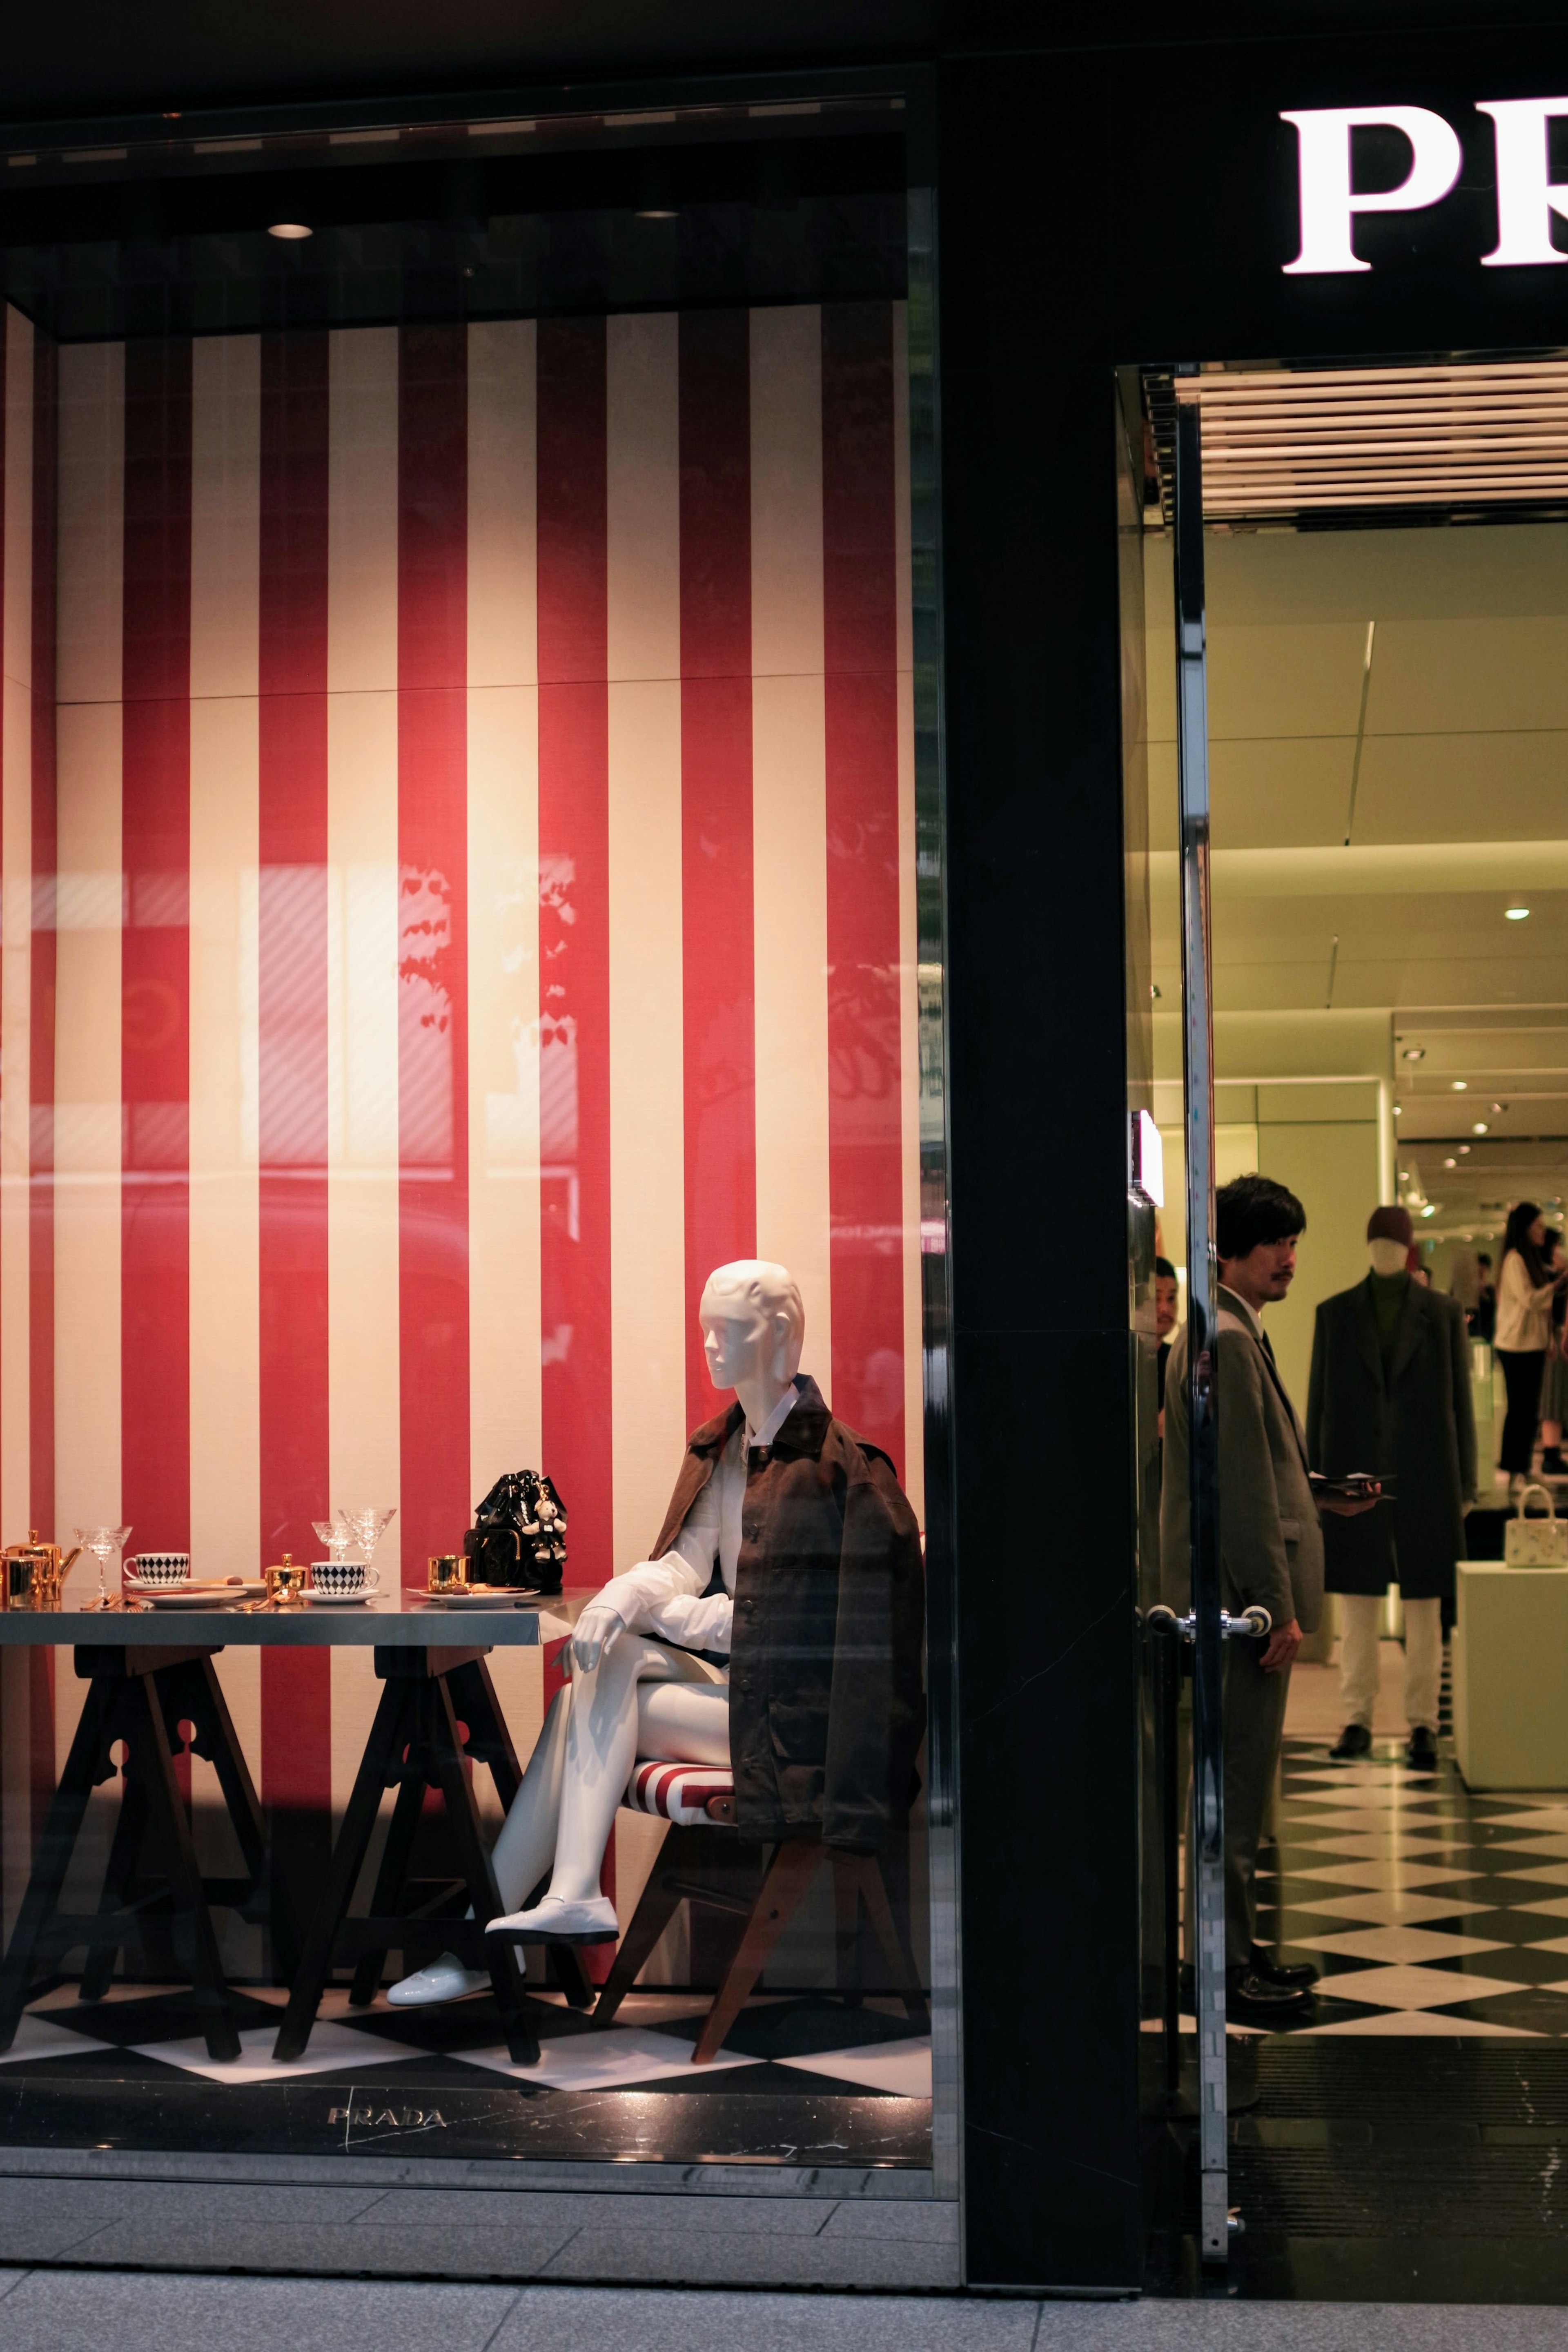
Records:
x=103, y=1543
x=369, y=1524
x=337, y=1533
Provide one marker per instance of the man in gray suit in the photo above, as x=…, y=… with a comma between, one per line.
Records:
x=1271, y=1552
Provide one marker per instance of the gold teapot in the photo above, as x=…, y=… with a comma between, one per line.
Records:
x=31, y=1574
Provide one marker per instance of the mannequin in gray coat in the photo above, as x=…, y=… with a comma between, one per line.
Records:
x=1390, y=1394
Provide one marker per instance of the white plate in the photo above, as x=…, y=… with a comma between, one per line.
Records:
x=337, y=1599
x=209, y=1596
x=500, y=1597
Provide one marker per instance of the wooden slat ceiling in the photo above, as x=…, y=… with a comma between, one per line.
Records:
x=1327, y=441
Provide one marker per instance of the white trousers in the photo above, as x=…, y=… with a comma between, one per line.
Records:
x=642, y=1700
x=1360, y=1618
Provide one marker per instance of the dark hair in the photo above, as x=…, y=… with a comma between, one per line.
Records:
x=1516, y=1237
x=1164, y=1270
x=1254, y=1208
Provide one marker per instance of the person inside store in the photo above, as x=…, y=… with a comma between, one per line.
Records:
x=1165, y=1325
x=1483, y=1314
x=1554, y=1380
x=1527, y=1285
x=1389, y=1392
x=1270, y=1555
x=788, y=1555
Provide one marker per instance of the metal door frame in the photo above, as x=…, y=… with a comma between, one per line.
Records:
x=1208, y=1622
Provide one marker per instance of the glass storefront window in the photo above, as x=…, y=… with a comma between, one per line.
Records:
x=465, y=1002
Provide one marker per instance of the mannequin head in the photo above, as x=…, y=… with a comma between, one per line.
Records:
x=754, y=1326
x=1389, y=1236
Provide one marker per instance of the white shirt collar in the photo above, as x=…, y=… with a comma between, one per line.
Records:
x=776, y=1419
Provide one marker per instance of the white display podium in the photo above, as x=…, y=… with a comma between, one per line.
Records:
x=1509, y=1662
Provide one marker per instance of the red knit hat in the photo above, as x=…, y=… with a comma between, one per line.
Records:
x=1390, y=1225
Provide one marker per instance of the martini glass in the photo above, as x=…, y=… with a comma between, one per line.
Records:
x=337, y=1533
x=369, y=1526
x=103, y=1543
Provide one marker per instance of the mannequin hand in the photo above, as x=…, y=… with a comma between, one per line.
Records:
x=598, y=1630
x=1283, y=1643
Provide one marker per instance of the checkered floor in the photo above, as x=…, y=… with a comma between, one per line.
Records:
x=1428, y=1910
x=145, y=2034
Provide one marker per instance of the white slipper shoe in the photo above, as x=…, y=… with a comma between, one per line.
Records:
x=555, y=1921
x=445, y=1979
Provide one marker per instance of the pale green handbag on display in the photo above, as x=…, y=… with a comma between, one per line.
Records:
x=1536, y=1543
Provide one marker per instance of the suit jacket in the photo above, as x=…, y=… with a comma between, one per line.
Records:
x=1418, y=1430
x=1270, y=1544
x=826, y=1701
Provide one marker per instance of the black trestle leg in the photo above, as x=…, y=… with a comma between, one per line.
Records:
x=474, y=1861
x=151, y=1758
x=86, y=1765
x=395, y=1727
x=392, y=1880
x=118, y=1883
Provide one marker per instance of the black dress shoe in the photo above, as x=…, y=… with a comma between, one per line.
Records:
x=1421, y=1749
x=1356, y=1739
x=1281, y=1972
x=1249, y=1997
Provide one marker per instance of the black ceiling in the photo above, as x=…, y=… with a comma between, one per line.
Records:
x=91, y=57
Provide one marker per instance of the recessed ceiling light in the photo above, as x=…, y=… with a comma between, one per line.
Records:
x=1459, y=1085
x=291, y=231
x=1397, y=1108
x=1430, y=1210
x=1516, y=914
x=1479, y=1128
x=1463, y=1148
x=1500, y=1107
x=1450, y=1163
x=654, y=212
x=1413, y=1054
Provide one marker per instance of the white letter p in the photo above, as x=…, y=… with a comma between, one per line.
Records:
x=1329, y=201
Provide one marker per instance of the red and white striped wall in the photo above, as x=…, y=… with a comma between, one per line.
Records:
x=477, y=765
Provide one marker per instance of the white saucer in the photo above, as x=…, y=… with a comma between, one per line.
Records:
x=201, y=1596
x=501, y=1596
x=336, y=1600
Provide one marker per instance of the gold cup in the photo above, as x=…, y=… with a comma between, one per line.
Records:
x=285, y=1582
x=448, y=1571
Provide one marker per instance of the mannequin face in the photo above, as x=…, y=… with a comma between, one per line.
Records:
x=1388, y=1256
x=740, y=1343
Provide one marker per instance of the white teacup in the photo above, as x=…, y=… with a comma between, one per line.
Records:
x=160, y=1568
x=343, y=1580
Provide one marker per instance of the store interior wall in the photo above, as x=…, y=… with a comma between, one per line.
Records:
x=483, y=901
x=1388, y=718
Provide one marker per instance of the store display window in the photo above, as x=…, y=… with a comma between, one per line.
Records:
x=463, y=1319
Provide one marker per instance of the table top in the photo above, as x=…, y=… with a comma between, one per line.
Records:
x=390, y=1621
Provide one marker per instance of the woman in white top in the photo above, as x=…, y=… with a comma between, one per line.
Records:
x=1525, y=1288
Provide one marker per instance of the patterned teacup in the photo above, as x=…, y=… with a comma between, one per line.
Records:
x=163, y=1568
x=343, y=1580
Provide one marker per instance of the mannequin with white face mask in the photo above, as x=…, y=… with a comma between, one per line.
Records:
x=1390, y=1394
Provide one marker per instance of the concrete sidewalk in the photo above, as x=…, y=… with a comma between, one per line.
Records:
x=83, y=2311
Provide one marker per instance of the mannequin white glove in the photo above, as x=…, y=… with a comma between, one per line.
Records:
x=597, y=1630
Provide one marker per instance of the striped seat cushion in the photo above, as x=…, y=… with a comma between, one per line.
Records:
x=678, y=1792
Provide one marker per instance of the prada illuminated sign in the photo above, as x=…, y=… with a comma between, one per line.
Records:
x=1527, y=194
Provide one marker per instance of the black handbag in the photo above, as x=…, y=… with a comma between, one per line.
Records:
x=517, y=1535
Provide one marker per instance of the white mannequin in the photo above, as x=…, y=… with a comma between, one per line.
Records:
x=632, y=1696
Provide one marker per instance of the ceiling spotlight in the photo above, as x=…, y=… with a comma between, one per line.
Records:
x=1430, y=1210
x=1516, y=914
x=1463, y=1148
x=1459, y=1085
x=654, y=212
x=291, y=231
x=1413, y=1054
x=1479, y=1128
x=1500, y=1107
x=1450, y=1163
x=1397, y=1108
